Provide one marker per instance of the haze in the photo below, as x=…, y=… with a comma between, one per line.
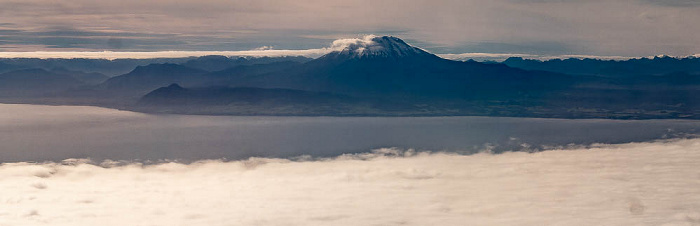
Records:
x=628, y=28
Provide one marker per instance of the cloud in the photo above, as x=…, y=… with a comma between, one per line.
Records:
x=68, y=39
x=264, y=51
x=163, y=54
x=354, y=43
x=484, y=56
x=264, y=48
x=651, y=183
x=625, y=27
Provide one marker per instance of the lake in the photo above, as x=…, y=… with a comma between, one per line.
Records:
x=54, y=133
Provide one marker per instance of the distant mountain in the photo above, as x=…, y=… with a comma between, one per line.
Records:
x=214, y=63
x=91, y=78
x=35, y=82
x=143, y=79
x=177, y=95
x=373, y=47
x=5, y=67
x=247, y=101
x=218, y=63
x=122, y=66
x=653, y=74
x=147, y=78
x=611, y=68
x=374, y=76
x=236, y=74
x=388, y=66
x=395, y=75
x=102, y=66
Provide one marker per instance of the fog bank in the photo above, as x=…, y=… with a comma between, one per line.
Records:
x=654, y=183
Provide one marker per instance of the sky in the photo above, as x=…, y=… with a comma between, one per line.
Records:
x=620, y=28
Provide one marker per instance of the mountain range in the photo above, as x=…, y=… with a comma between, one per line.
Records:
x=660, y=65
x=372, y=76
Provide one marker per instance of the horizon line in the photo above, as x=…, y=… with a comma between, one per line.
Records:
x=311, y=53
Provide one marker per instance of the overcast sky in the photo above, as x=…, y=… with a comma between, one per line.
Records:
x=538, y=27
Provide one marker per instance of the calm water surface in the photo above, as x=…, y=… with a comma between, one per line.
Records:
x=54, y=133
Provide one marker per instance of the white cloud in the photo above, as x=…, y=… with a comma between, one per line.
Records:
x=354, y=43
x=165, y=54
x=264, y=48
x=269, y=51
x=629, y=184
x=484, y=56
x=503, y=56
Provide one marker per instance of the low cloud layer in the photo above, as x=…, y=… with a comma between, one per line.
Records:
x=263, y=51
x=165, y=54
x=628, y=184
x=353, y=44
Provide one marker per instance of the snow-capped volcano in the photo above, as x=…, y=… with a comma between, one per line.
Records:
x=372, y=46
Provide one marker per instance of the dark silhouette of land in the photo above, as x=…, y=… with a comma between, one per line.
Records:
x=384, y=77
